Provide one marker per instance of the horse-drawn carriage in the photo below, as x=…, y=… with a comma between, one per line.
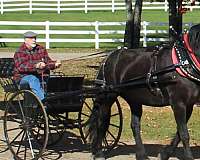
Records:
x=169, y=75
x=31, y=125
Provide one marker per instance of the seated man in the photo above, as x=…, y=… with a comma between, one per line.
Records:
x=31, y=60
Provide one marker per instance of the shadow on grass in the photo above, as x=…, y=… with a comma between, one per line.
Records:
x=152, y=150
x=71, y=143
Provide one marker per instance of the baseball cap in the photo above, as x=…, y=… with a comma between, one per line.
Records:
x=30, y=34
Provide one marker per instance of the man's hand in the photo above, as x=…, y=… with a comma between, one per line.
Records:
x=40, y=65
x=58, y=63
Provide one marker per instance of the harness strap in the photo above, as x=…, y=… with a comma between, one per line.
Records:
x=155, y=90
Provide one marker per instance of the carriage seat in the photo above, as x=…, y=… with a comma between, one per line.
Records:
x=61, y=84
x=6, y=74
x=6, y=67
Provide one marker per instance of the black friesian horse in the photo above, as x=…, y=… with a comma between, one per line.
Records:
x=126, y=66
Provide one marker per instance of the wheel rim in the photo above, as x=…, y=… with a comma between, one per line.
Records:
x=25, y=123
x=115, y=127
x=83, y=118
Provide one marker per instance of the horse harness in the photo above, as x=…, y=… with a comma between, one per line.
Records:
x=189, y=63
x=184, y=62
x=154, y=87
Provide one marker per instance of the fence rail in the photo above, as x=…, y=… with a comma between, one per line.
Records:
x=74, y=5
x=88, y=32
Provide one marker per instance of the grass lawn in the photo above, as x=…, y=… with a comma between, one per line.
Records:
x=157, y=124
x=80, y=16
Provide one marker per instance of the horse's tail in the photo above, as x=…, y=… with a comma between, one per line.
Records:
x=99, y=120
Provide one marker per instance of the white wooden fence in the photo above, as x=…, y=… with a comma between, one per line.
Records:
x=74, y=5
x=101, y=32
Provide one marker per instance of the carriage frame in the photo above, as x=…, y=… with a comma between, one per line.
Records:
x=31, y=125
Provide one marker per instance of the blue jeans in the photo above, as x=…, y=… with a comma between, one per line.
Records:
x=35, y=85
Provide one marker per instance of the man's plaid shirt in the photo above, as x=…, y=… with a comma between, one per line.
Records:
x=25, y=60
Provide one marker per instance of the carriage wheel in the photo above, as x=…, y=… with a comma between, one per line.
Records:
x=3, y=144
x=56, y=128
x=115, y=126
x=25, y=124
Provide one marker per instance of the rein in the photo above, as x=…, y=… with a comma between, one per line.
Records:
x=98, y=54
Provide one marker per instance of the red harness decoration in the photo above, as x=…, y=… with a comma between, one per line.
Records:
x=175, y=61
x=190, y=51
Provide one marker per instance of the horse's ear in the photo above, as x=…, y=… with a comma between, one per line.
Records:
x=194, y=39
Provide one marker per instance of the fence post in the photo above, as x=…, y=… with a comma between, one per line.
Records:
x=191, y=7
x=47, y=34
x=86, y=5
x=58, y=6
x=1, y=6
x=166, y=5
x=113, y=5
x=144, y=26
x=96, y=35
x=30, y=7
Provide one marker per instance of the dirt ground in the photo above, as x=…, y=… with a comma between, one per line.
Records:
x=72, y=148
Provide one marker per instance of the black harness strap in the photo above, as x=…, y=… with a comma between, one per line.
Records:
x=154, y=87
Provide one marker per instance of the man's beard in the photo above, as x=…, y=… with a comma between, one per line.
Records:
x=33, y=45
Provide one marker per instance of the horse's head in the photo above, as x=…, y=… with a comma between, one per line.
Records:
x=194, y=39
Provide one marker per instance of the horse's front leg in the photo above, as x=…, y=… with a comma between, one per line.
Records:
x=169, y=150
x=136, y=111
x=180, y=113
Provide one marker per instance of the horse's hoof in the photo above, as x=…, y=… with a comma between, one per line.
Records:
x=188, y=158
x=163, y=156
x=142, y=158
x=98, y=156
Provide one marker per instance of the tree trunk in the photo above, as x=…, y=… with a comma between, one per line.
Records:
x=175, y=19
x=129, y=24
x=133, y=24
x=137, y=23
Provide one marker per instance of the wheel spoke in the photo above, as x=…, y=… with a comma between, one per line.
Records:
x=25, y=152
x=111, y=135
x=30, y=144
x=114, y=125
x=18, y=148
x=13, y=129
x=16, y=136
x=86, y=135
x=105, y=142
x=113, y=115
x=88, y=107
x=85, y=114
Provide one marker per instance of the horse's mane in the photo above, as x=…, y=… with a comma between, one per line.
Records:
x=194, y=39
